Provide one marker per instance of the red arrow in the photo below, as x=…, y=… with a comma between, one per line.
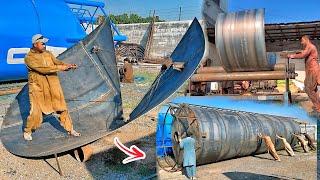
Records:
x=133, y=152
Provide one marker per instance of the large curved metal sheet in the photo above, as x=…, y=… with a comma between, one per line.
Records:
x=189, y=51
x=92, y=93
x=240, y=41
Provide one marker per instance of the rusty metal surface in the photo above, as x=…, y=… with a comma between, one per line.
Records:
x=222, y=134
x=189, y=51
x=241, y=76
x=92, y=93
x=240, y=43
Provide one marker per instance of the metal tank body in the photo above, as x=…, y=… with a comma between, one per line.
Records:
x=21, y=19
x=240, y=43
x=222, y=134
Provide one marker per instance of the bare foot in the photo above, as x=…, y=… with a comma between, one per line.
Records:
x=74, y=133
x=27, y=136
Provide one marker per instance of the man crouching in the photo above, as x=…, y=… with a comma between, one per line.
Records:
x=45, y=91
x=270, y=146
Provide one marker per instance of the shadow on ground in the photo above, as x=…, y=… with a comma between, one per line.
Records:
x=108, y=164
x=247, y=175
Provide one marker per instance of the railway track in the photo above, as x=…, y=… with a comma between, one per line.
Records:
x=11, y=88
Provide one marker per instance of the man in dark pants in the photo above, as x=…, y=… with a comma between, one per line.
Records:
x=189, y=155
x=312, y=69
x=127, y=72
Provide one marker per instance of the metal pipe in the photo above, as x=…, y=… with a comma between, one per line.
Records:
x=220, y=69
x=240, y=43
x=211, y=69
x=222, y=134
x=241, y=76
x=87, y=19
x=86, y=3
x=83, y=153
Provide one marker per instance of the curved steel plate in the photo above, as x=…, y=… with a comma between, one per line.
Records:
x=189, y=51
x=92, y=93
x=240, y=41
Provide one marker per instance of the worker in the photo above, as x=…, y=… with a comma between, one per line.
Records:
x=166, y=64
x=189, y=155
x=270, y=146
x=312, y=79
x=45, y=92
x=303, y=142
x=310, y=141
x=127, y=71
x=287, y=146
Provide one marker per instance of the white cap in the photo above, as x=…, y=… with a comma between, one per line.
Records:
x=39, y=38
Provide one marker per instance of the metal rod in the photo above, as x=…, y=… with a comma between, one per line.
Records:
x=212, y=69
x=288, y=92
x=220, y=69
x=59, y=168
x=237, y=76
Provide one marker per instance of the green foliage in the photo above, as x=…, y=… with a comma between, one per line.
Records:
x=130, y=18
x=283, y=82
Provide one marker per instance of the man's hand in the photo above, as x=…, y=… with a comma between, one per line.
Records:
x=290, y=56
x=64, y=67
x=72, y=66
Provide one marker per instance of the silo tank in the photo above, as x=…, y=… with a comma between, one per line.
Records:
x=222, y=134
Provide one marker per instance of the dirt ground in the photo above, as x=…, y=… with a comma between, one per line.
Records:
x=301, y=166
x=106, y=162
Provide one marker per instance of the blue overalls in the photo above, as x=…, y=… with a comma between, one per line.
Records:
x=189, y=156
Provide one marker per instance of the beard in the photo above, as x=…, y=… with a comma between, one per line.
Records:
x=40, y=50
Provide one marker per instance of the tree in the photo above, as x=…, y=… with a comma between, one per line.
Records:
x=129, y=19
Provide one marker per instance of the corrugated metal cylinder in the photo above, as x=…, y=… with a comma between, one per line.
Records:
x=240, y=41
x=222, y=134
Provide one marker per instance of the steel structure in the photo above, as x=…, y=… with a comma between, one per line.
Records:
x=87, y=18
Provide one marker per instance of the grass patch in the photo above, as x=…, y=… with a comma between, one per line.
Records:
x=283, y=82
x=149, y=77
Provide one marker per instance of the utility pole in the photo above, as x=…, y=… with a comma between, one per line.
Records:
x=180, y=13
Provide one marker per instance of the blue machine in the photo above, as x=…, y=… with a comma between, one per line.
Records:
x=21, y=19
x=163, y=134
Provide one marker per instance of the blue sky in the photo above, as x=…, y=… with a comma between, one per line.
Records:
x=281, y=10
x=276, y=10
x=166, y=9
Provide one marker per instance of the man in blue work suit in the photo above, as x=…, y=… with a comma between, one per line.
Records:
x=189, y=155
